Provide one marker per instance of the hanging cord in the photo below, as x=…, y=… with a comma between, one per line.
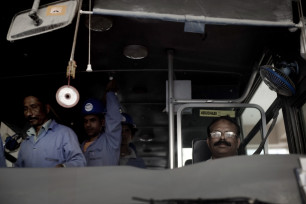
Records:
x=72, y=64
x=89, y=69
x=261, y=146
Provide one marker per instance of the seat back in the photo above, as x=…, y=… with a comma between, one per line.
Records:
x=200, y=150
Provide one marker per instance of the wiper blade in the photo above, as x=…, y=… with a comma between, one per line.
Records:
x=235, y=200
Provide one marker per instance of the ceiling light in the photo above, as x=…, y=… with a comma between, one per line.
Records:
x=99, y=23
x=135, y=51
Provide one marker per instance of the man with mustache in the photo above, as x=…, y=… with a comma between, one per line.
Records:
x=223, y=137
x=48, y=143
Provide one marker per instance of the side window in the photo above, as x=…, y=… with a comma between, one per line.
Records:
x=194, y=119
x=277, y=140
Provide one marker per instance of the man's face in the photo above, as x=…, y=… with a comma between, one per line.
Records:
x=126, y=135
x=223, y=147
x=93, y=125
x=34, y=111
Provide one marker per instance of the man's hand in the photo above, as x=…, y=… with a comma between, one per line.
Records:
x=112, y=86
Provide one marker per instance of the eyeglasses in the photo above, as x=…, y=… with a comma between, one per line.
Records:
x=218, y=134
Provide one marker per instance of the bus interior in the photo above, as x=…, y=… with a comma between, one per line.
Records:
x=178, y=65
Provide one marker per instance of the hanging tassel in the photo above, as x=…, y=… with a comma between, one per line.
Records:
x=71, y=69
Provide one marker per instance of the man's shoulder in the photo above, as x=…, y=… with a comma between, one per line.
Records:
x=55, y=126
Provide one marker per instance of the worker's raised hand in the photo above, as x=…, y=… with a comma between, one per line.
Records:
x=112, y=85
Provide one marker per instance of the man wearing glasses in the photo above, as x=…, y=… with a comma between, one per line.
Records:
x=223, y=137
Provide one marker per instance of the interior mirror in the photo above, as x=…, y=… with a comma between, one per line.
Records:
x=42, y=19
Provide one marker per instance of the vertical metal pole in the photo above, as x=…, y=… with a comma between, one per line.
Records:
x=170, y=110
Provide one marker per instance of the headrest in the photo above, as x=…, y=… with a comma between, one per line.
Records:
x=200, y=150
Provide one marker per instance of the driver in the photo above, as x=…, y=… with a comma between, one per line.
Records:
x=223, y=137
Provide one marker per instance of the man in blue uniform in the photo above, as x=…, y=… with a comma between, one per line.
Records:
x=102, y=146
x=48, y=143
x=128, y=154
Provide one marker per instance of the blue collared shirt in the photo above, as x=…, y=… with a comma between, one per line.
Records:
x=105, y=150
x=43, y=129
x=55, y=144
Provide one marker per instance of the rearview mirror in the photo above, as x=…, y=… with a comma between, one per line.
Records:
x=42, y=19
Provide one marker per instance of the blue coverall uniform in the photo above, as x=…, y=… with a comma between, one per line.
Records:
x=105, y=150
x=57, y=145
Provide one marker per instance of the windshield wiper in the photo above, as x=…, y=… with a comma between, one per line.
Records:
x=235, y=200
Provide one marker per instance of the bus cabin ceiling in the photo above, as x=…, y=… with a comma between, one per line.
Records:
x=219, y=63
